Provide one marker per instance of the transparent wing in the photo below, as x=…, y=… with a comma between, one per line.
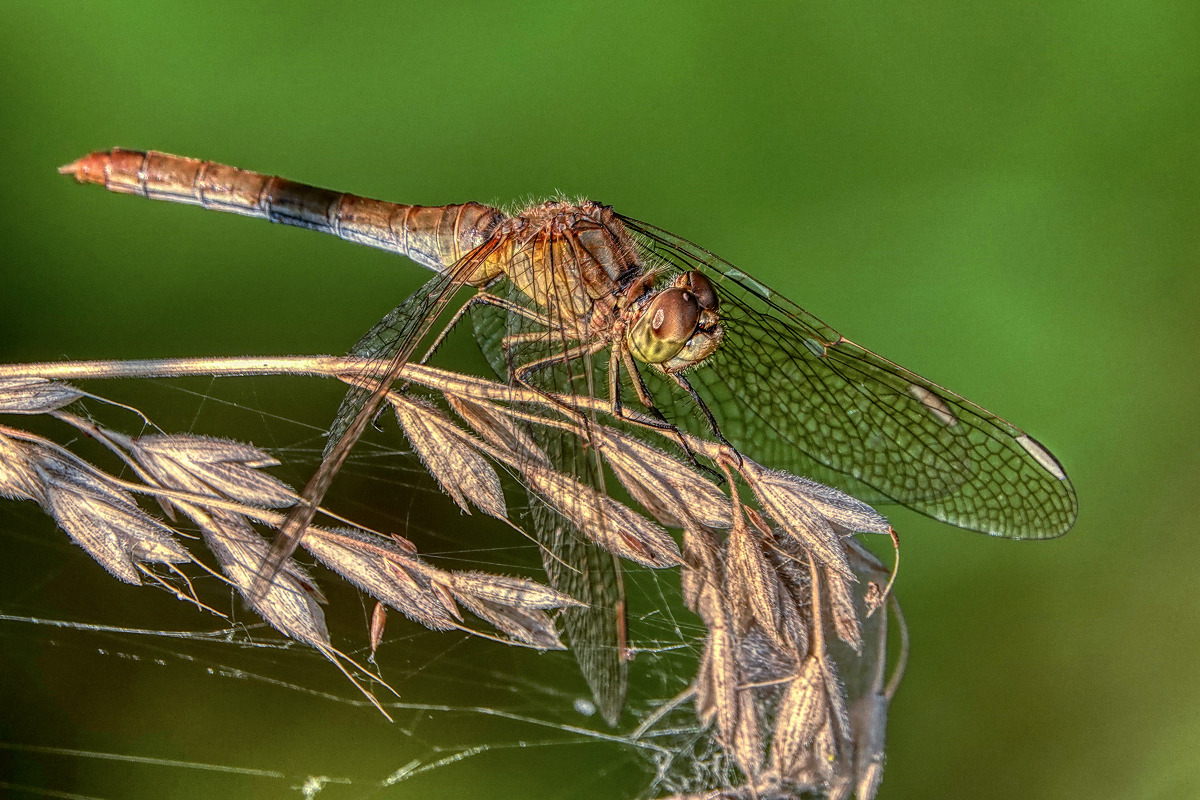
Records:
x=574, y=565
x=790, y=391
x=379, y=345
x=387, y=347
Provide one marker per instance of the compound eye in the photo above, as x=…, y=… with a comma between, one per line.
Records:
x=665, y=325
x=701, y=287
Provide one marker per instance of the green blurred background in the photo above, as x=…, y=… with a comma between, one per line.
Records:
x=1002, y=196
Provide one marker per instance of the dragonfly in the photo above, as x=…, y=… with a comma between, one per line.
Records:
x=575, y=299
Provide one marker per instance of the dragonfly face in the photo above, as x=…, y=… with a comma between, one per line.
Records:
x=678, y=327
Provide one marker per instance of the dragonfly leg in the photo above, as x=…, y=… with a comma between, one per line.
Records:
x=524, y=337
x=639, y=387
x=659, y=421
x=614, y=392
x=686, y=385
x=647, y=400
x=643, y=393
x=482, y=298
x=521, y=374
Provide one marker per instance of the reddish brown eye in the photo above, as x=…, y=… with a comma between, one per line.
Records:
x=707, y=335
x=674, y=314
x=702, y=288
x=664, y=326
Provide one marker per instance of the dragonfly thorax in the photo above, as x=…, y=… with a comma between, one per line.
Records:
x=579, y=267
x=567, y=258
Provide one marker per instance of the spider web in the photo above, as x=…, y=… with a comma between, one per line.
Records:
x=120, y=691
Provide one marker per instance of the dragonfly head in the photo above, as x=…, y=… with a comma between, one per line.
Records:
x=678, y=327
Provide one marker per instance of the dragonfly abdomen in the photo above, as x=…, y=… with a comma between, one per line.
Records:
x=433, y=236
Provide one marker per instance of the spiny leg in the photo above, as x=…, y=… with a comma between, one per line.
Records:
x=521, y=374
x=622, y=356
x=643, y=393
x=686, y=385
x=618, y=356
x=483, y=297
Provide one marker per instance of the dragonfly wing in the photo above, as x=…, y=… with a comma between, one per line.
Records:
x=575, y=565
x=380, y=344
x=392, y=345
x=590, y=574
x=789, y=390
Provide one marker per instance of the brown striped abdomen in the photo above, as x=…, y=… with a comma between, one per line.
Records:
x=433, y=236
